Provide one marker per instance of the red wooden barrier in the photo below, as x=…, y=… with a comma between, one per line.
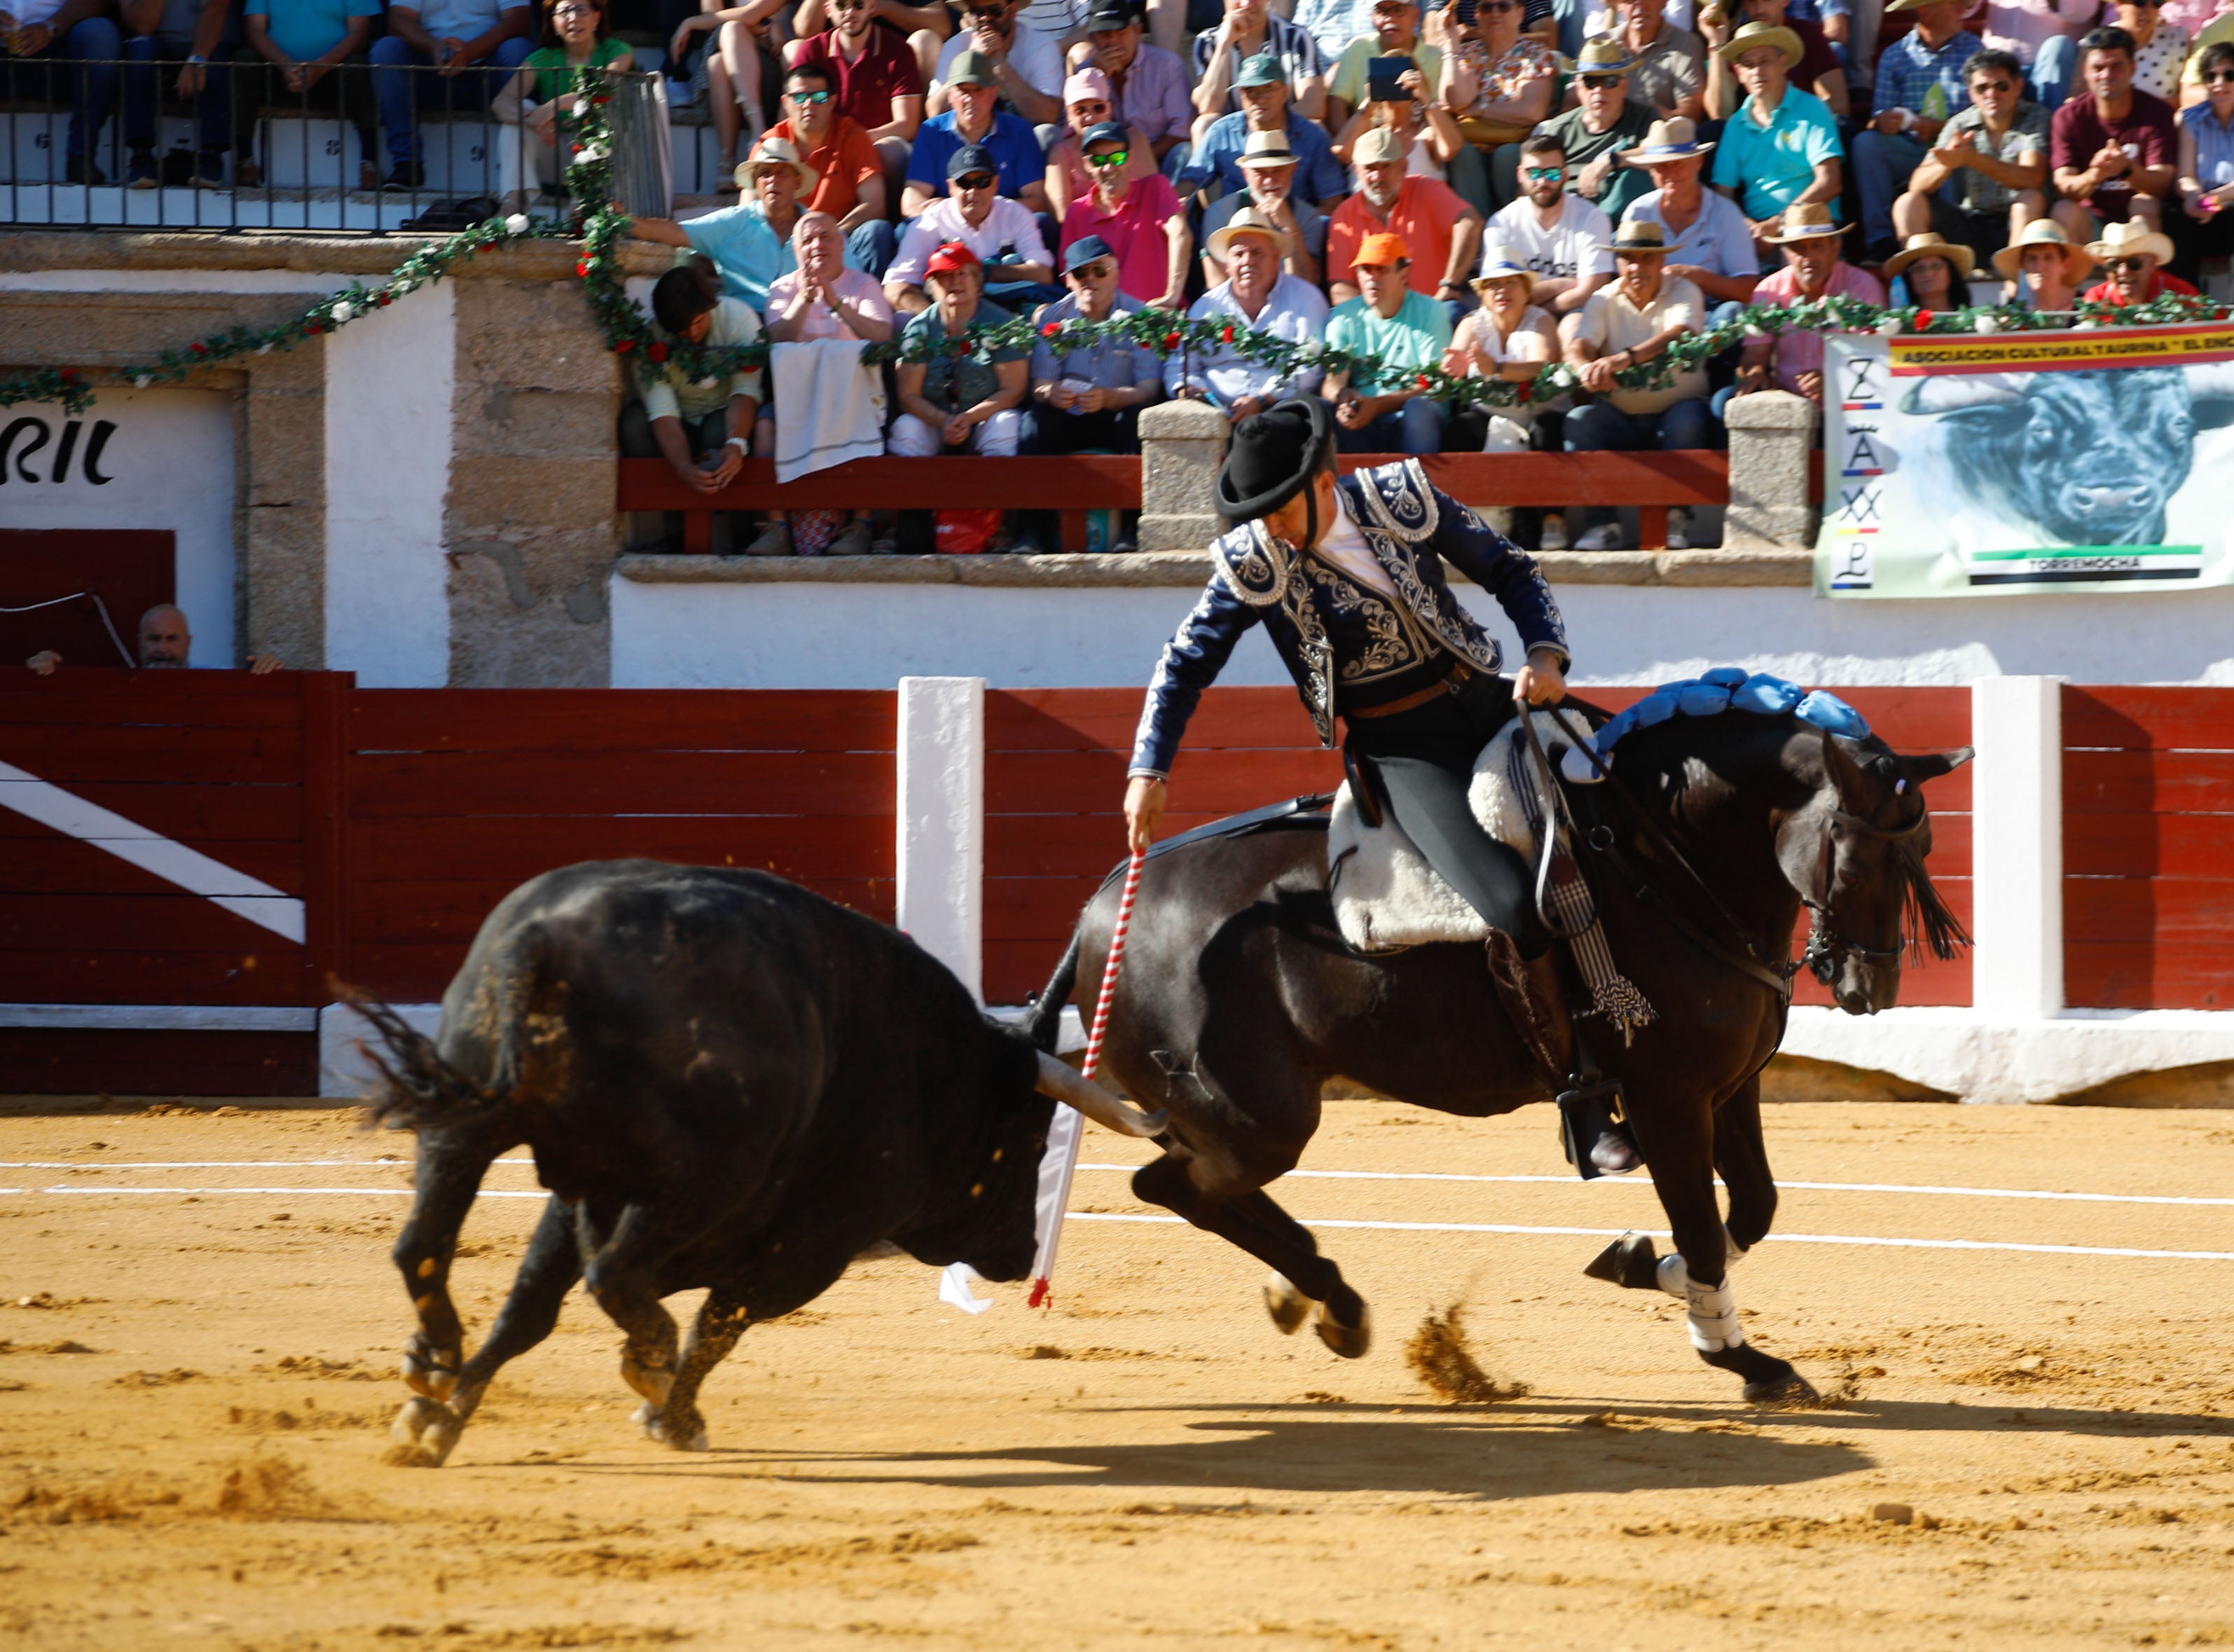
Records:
x=455, y=797
x=2148, y=791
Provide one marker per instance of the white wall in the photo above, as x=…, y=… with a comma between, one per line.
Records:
x=850, y=636
x=389, y=381
x=169, y=465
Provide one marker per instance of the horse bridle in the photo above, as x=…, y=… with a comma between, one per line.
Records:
x=1826, y=947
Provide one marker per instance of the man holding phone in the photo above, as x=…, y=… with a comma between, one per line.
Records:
x=1364, y=64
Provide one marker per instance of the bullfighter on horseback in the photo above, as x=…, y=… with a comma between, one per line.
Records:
x=1347, y=577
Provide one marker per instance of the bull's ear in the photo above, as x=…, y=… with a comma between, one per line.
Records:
x=1929, y=766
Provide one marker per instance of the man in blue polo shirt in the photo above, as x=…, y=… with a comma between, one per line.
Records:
x=1262, y=85
x=974, y=116
x=1781, y=147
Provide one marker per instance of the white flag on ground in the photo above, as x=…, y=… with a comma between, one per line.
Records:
x=954, y=1287
x=1065, y=1132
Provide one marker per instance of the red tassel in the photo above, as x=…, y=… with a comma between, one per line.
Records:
x=1038, y=1298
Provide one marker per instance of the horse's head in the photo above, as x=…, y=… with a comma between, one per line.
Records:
x=1855, y=854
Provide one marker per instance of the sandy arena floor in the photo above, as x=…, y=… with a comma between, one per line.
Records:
x=195, y=1387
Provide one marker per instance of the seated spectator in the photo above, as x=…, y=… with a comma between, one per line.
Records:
x=2132, y=256
x=2160, y=46
x=1250, y=29
x=1497, y=80
x=1929, y=272
x=166, y=644
x=1385, y=412
x=750, y=243
x=1139, y=219
x=294, y=47
x=733, y=68
x=1780, y=149
x=2218, y=32
x=849, y=173
x=1395, y=34
x=1257, y=295
x=2115, y=150
x=42, y=44
x=974, y=117
x=702, y=428
x=1332, y=24
x=1709, y=243
x=1219, y=145
x=1985, y=176
x=1087, y=103
x=2044, y=270
x=1424, y=127
x=482, y=41
x=1607, y=118
x=1560, y=237
x=191, y=35
x=1015, y=267
x=955, y=403
x=2203, y=227
x=877, y=77
x=540, y=100
x=1815, y=66
x=1630, y=323
x=1089, y=399
x=1792, y=359
x=1921, y=83
x=1510, y=337
x=2038, y=34
x=1270, y=168
x=1670, y=76
x=1440, y=231
x=1148, y=85
x=1027, y=65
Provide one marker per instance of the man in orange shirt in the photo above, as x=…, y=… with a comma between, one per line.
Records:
x=1442, y=231
x=849, y=173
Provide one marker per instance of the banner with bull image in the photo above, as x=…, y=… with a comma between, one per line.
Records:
x=2087, y=461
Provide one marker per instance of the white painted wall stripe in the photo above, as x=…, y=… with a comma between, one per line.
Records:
x=190, y=869
x=169, y=1018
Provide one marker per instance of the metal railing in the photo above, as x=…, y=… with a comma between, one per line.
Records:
x=367, y=148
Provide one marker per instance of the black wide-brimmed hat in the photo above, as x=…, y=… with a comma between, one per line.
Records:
x=1273, y=455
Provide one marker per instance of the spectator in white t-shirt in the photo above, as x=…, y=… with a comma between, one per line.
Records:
x=1002, y=232
x=1560, y=237
x=1030, y=65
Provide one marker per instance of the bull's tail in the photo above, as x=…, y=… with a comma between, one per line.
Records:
x=1045, y=1021
x=416, y=1090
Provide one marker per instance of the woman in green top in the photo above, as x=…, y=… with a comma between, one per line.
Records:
x=540, y=100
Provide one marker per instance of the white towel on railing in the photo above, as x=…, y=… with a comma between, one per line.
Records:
x=829, y=405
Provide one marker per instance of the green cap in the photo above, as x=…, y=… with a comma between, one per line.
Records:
x=1263, y=70
x=972, y=68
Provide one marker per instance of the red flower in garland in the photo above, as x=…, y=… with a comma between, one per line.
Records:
x=70, y=376
x=1423, y=380
x=1171, y=341
x=1923, y=320
x=625, y=347
x=1229, y=332
x=1051, y=330
x=199, y=349
x=384, y=299
x=582, y=268
x=607, y=98
x=658, y=352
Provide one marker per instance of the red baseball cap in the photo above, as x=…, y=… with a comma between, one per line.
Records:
x=952, y=255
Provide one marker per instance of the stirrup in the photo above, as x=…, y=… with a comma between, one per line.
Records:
x=1588, y=1113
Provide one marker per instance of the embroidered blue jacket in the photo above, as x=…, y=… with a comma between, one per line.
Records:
x=1334, y=634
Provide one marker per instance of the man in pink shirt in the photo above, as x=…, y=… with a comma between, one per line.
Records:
x=1139, y=217
x=1812, y=268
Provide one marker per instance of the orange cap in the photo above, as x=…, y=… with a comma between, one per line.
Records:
x=1383, y=248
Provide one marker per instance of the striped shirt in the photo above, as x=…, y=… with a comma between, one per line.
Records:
x=1910, y=70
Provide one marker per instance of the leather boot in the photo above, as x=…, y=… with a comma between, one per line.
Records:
x=1536, y=1004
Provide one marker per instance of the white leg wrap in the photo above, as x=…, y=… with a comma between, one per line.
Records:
x=1714, y=1319
x=1675, y=1273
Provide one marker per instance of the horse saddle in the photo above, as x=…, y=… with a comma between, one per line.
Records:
x=1386, y=895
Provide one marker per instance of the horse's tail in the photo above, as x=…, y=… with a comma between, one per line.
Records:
x=1044, y=1023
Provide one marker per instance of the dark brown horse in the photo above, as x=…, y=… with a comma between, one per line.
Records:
x=1238, y=1000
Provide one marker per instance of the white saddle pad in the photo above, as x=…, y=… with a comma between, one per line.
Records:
x=1386, y=895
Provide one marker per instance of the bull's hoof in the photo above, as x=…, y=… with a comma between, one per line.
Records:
x=1288, y=1306
x=684, y=1434
x=654, y=1382
x=428, y=1371
x=1629, y=1262
x=1351, y=1342
x=424, y=1431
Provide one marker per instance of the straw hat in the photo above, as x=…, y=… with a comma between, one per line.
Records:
x=1501, y=263
x=2043, y=232
x=1930, y=245
x=1603, y=55
x=1249, y=221
x=1635, y=235
x=777, y=152
x=1805, y=221
x=1675, y=138
x=1762, y=34
x=2131, y=239
x=1380, y=145
x=1267, y=149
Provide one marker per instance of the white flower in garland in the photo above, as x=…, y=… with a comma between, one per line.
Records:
x=517, y=224
x=1888, y=325
x=264, y=349
x=140, y=381
x=1988, y=324
x=591, y=155
x=343, y=310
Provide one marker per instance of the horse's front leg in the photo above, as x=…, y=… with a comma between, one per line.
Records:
x=1678, y=1140
x=1741, y=1156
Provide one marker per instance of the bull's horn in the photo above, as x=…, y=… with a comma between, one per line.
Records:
x=1073, y=1089
x=1949, y=392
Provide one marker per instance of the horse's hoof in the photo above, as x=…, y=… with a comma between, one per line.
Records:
x=657, y=1426
x=1629, y=1262
x=424, y=1433
x=1789, y=1392
x=422, y=1374
x=1351, y=1342
x=1288, y=1306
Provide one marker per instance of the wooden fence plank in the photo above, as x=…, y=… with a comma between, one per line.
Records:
x=2133, y=718
x=516, y=847
x=599, y=720
x=416, y=785
x=68, y=1061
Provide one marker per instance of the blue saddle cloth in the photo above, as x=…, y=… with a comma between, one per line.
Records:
x=1727, y=688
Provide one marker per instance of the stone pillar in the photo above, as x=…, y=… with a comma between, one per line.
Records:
x=1772, y=433
x=2017, y=826
x=1182, y=445
x=939, y=893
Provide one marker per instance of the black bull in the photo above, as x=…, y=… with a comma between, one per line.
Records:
x=1238, y=1000
x=727, y=1081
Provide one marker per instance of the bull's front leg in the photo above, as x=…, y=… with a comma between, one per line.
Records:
x=450, y=1167
x=678, y=1422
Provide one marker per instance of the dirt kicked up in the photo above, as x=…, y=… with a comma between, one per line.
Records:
x=2030, y=1448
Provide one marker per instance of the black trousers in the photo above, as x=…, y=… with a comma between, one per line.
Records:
x=1422, y=760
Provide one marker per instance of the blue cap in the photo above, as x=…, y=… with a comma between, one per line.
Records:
x=972, y=158
x=1104, y=132
x=1085, y=251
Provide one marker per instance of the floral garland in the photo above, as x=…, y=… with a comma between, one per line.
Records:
x=1161, y=332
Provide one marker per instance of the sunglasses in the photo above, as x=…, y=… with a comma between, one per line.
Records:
x=1114, y=158
x=2119, y=266
x=2220, y=77
x=1547, y=174
x=1993, y=86
x=808, y=97
x=1603, y=82
x=1091, y=273
x=974, y=180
